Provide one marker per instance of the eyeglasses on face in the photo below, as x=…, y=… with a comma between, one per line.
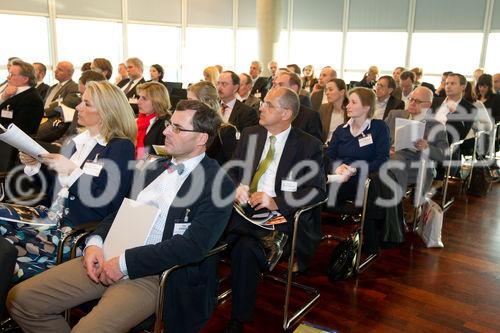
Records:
x=176, y=129
x=416, y=101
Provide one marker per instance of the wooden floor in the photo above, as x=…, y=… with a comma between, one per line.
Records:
x=407, y=289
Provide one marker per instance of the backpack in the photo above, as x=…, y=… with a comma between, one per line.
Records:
x=342, y=263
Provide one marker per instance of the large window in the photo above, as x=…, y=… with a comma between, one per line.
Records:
x=155, y=44
x=385, y=50
x=24, y=37
x=441, y=52
x=492, y=64
x=206, y=47
x=317, y=48
x=79, y=41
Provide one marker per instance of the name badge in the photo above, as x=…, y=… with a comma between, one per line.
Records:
x=6, y=113
x=257, y=94
x=238, y=134
x=180, y=228
x=288, y=185
x=92, y=168
x=366, y=140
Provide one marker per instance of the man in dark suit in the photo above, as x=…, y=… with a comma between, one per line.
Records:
x=135, y=68
x=20, y=104
x=385, y=101
x=269, y=180
x=432, y=147
x=318, y=95
x=234, y=111
x=244, y=92
x=192, y=216
x=40, y=72
x=63, y=73
x=259, y=83
x=307, y=120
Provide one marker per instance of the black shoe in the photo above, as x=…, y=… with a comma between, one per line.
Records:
x=234, y=326
x=273, y=244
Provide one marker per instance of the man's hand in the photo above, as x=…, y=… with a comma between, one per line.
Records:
x=260, y=200
x=59, y=163
x=9, y=92
x=111, y=271
x=421, y=144
x=242, y=194
x=93, y=260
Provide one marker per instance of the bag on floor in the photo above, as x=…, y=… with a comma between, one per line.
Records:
x=342, y=263
x=481, y=181
x=430, y=224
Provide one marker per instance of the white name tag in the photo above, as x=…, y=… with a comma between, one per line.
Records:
x=238, y=135
x=92, y=168
x=257, y=94
x=288, y=185
x=366, y=140
x=180, y=228
x=132, y=100
x=9, y=114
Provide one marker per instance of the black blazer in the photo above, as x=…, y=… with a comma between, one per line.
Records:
x=492, y=104
x=42, y=89
x=310, y=122
x=27, y=110
x=224, y=144
x=393, y=104
x=459, y=121
x=154, y=136
x=243, y=116
x=260, y=86
x=191, y=292
x=299, y=147
x=316, y=99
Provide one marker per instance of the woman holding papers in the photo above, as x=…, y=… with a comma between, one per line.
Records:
x=86, y=182
x=153, y=103
x=359, y=147
x=223, y=147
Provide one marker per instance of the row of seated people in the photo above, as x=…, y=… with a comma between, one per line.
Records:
x=277, y=149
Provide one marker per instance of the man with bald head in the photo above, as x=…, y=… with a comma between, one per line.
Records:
x=432, y=147
x=270, y=151
x=63, y=74
x=318, y=96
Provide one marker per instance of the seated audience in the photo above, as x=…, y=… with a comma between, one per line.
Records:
x=94, y=164
x=486, y=95
x=122, y=73
x=318, y=96
x=128, y=85
x=128, y=284
x=407, y=84
x=395, y=75
x=359, y=148
x=259, y=83
x=244, y=92
x=66, y=86
x=154, y=106
x=334, y=113
x=418, y=71
x=157, y=73
x=370, y=78
x=385, y=101
x=279, y=147
x=103, y=66
x=224, y=143
x=40, y=72
x=211, y=74
x=440, y=91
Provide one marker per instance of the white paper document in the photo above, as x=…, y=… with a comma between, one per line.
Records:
x=130, y=229
x=407, y=132
x=15, y=137
x=67, y=113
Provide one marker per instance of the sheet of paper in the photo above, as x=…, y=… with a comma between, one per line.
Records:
x=131, y=227
x=22, y=141
x=407, y=132
x=67, y=113
x=160, y=150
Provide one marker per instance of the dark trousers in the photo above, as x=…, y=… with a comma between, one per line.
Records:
x=248, y=260
x=8, y=255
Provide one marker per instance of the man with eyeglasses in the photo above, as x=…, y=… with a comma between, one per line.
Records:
x=277, y=165
x=385, y=101
x=194, y=197
x=431, y=147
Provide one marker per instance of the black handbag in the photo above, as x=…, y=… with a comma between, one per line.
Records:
x=342, y=263
x=481, y=181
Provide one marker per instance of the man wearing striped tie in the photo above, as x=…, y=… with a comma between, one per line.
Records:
x=279, y=169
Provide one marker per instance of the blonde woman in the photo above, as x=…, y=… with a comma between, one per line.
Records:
x=154, y=105
x=223, y=147
x=87, y=181
x=211, y=74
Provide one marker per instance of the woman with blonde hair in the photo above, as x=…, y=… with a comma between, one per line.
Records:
x=86, y=182
x=211, y=74
x=223, y=147
x=308, y=78
x=154, y=105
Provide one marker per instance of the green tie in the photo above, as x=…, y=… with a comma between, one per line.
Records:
x=263, y=165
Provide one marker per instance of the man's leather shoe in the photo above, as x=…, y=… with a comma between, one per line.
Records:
x=273, y=244
x=234, y=326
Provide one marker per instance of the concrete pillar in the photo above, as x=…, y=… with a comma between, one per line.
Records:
x=268, y=30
